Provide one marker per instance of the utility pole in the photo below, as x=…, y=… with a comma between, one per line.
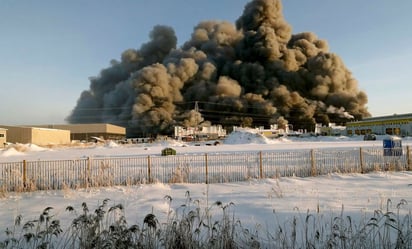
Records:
x=196, y=106
x=196, y=121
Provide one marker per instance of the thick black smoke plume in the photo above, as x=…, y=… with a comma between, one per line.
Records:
x=253, y=73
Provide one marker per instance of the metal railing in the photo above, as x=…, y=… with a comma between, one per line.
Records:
x=195, y=168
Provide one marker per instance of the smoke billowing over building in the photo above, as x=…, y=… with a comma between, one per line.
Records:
x=253, y=72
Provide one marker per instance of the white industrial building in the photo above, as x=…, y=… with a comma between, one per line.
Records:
x=201, y=133
x=397, y=124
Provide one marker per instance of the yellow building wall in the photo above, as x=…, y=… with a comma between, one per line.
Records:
x=18, y=134
x=114, y=129
x=50, y=136
x=90, y=128
x=38, y=136
x=270, y=134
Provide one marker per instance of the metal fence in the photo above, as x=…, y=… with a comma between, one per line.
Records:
x=195, y=168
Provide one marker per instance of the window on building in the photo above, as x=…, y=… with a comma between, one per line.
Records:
x=1, y=135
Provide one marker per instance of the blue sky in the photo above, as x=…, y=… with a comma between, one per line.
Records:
x=50, y=48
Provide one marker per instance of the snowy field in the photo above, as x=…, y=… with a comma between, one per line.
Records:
x=241, y=141
x=261, y=203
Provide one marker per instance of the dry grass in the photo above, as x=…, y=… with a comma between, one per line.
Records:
x=214, y=226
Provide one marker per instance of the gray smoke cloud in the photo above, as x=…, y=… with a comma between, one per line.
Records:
x=253, y=72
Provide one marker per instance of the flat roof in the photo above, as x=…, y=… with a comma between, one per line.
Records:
x=29, y=127
x=387, y=117
x=89, y=128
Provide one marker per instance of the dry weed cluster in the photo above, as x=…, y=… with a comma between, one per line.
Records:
x=191, y=226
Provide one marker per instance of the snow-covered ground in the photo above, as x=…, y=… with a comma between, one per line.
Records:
x=261, y=202
x=241, y=140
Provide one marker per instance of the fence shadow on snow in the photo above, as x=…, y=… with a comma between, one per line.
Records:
x=195, y=168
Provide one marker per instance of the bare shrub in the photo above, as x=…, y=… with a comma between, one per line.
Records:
x=180, y=174
x=276, y=191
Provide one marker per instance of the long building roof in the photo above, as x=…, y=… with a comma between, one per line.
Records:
x=388, y=117
x=90, y=128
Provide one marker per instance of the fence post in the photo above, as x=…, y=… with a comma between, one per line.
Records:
x=87, y=173
x=207, y=173
x=408, y=158
x=313, y=164
x=260, y=165
x=361, y=160
x=24, y=174
x=149, y=170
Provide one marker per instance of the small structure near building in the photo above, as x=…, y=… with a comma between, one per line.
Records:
x=3, y=137
x=332, y=130
x=273, y=131
x=392, y=146
x=138, y=140
x=369, y=137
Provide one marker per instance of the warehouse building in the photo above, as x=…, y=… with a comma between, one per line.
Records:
x=398, y=124
x=3, y=137
x=36, y=135
x=87, y=132
x=199, y=133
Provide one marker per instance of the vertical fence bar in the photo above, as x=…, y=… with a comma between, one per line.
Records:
x=87, y=173
x=207, y=180
x=408, y=158
x=149, y=178
x=313, y=164
x=361, y=160
x=260, y=165
x=24, y=174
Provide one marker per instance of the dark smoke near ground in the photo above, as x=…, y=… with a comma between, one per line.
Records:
x=254, y=73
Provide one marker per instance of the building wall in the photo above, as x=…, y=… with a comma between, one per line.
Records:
x=205, y=132
x=50, y=136
x=90, y=128
x=17, y=134
x=3, y=137
x=400, y=125
x=86, y=131
x=114, y=129
x=38, y=136
x=272, y=133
